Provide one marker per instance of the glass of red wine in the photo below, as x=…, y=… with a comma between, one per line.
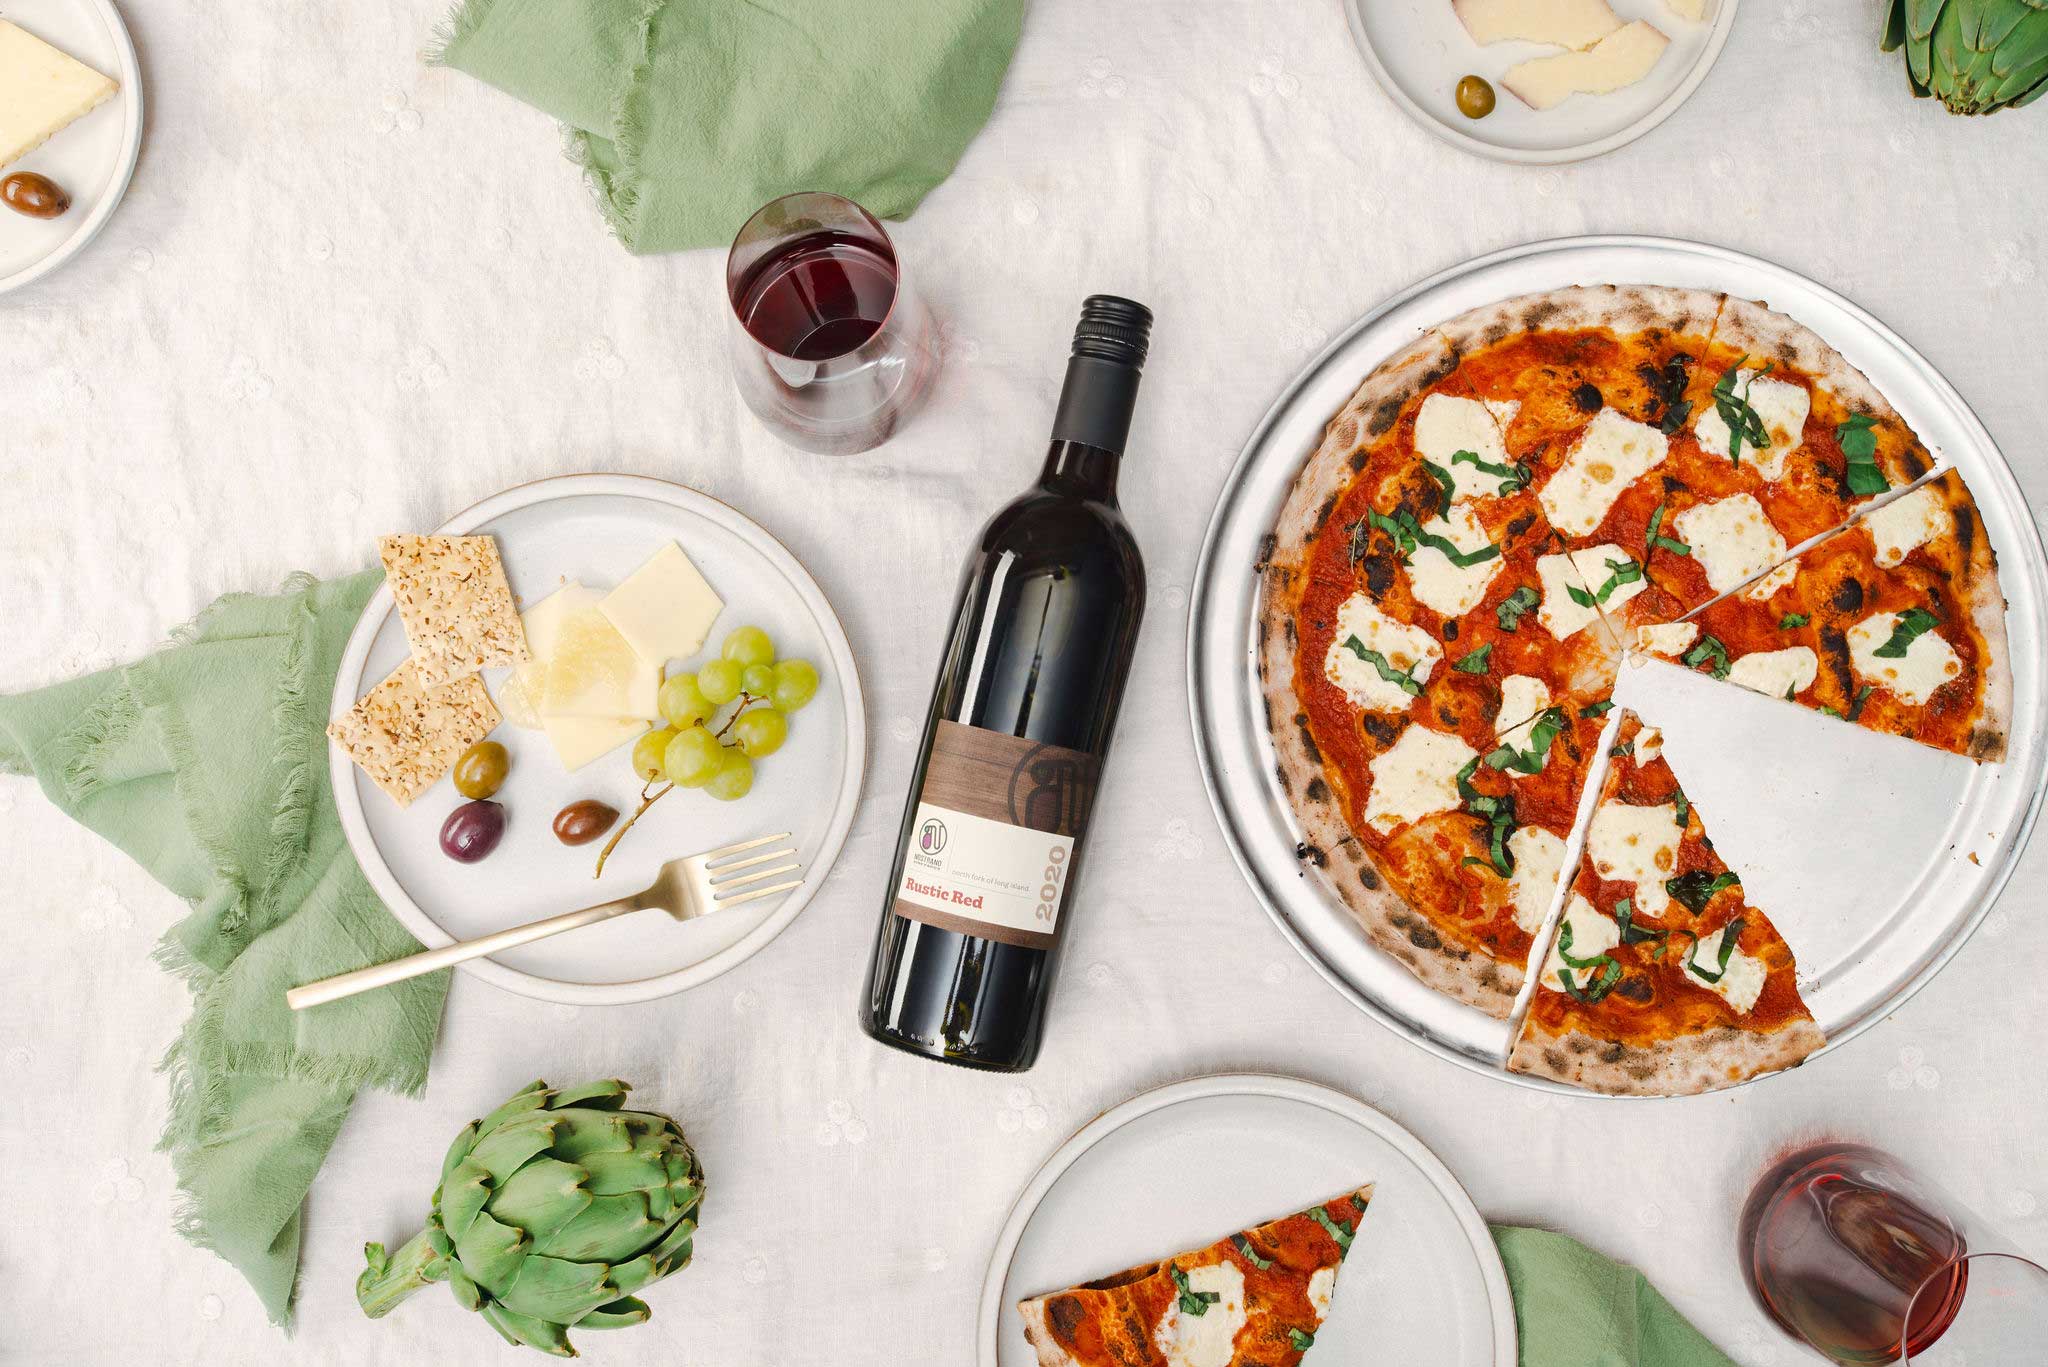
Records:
x=1864, y=1260
x=830, y=346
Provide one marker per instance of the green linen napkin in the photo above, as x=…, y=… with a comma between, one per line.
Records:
x=1578, y=1308
x=207, y=764
x=691, y=114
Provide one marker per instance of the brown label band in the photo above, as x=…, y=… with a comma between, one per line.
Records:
x=1010, y=779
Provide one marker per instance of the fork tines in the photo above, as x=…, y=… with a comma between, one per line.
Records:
x=730, y=881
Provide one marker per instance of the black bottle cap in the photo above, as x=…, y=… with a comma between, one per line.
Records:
x=1114, y=329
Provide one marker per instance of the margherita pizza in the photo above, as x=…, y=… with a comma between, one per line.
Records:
x=1253, y=1299
x=1530, y=491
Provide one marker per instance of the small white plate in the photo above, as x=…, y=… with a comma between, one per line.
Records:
x=1417, y=51
x=94, y=157
x=598, y=529
x=1180, y=1167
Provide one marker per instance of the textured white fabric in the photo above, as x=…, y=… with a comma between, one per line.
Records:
x=350, y=294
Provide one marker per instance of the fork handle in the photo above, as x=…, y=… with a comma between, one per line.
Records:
x=398, y=970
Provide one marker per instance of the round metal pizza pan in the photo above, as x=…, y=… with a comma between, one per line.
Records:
x=1423, y=1281
x=1876, y=857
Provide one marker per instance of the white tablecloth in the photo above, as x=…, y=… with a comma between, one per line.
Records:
x=350, y=294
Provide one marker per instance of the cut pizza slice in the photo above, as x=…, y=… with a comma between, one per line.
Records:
x=1895, y=623
x=1660, y=979
x=1252, y=1299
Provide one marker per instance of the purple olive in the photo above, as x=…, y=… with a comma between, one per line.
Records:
x=472, y=831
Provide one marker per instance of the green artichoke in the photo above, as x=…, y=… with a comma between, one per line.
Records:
x=1978, y=56
x=552, y=1211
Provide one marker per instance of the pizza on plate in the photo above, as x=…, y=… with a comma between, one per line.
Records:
x=1531, y=492
x=1252, y=1299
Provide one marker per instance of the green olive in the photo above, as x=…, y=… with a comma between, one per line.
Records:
x=1475, y=97
x=481, y=770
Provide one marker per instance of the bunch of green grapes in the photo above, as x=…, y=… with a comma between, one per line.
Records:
x=689, y=753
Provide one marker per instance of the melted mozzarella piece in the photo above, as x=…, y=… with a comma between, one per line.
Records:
x=1905, y=523
x=1612, y=453
x=1649, y=745
x=1634, y=844
x=1445, y=426
x=1779, y=405
x=1672, y=639
x=1408, y=649
x=1539, y=858
x=1593, y=932
x=1210, y=1338
x=1776, y=673
x=1322, y=1283
x=1929, y=662
x=1587, y=571
x=1415, y=778
x=1442, y=586
x=1521, y=698
x=1731, y=540
x=1741, y=982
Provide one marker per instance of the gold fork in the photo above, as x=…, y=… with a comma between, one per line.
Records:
x=685, y=889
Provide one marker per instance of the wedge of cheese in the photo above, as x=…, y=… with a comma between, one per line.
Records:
x=41, y=91
x=1567, y=23
x=664, y=609
x=1695, y=10
x=1620, y=59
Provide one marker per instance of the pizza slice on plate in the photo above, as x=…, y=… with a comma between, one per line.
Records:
x=1896, y=624
x=1660, y=978
x=1252, y=1299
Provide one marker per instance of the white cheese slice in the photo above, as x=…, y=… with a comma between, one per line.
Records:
x=1782, y=408
x=1521, y=698
x=1210, y=1338
x=1416, y=777
x=1740, y=983
x=1539, y=858
x=519, y=696
x=1731, y=540
x=1611, y=454
x=1566, y=23
x=1408, y=649
x=1322, y=1284
x=1446, y=425
x=1906, y=523
x=1694, y=10
x=1620, y=59
x=1670, y=639
x=1649, y=745
x=42, y=91
x=664, y=609
x=1593, y=932
x=579, y=740
x=1630, y=844
x=594, y=672
x=1442, y=586
x=1587, y=571
x=1776, y=673
x=1929, y=661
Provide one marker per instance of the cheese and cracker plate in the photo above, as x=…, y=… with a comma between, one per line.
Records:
x=1768, y=611
x=1335, y=1227
x=70, y=123
x=519, y=693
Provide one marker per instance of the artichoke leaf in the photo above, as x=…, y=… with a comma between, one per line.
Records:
x=675, y=1247
x=541, y=1197
x=610, y=1229
x=459, y=1150
x=559, y=1289
x=532, y=1097
x=467, y=1293
x=587, y=1132
x=492, y=1253
x=640, y=1169
x=623, y=1313
x=605, y=1094
x=458, y=1199
x=505, y=1151
x=534, y=1333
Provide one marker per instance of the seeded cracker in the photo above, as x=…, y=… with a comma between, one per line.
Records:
x=405, y=736
x=457, y=608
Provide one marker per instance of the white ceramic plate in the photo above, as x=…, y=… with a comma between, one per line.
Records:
x=1874, y=856
x=1182, y=1166
x=94, y=157
x=598, y=529
x=1417, y=50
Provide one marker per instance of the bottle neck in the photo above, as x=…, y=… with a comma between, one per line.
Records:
x=1090, y=427
x=1079, y=470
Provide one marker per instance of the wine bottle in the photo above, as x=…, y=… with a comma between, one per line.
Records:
x=1020, y=722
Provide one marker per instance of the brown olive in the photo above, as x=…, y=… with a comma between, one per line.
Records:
x=579, y=823
x=25, y=192
x=1475, y=97
x=481, y=769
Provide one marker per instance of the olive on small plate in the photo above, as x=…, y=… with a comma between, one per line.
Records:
x=481, y=770
x=472, y=831
x=1475, y=97
x=35, y=195
x=579, y=823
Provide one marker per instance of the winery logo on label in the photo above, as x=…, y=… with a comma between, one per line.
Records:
x=931, y=836
x=1051, y=790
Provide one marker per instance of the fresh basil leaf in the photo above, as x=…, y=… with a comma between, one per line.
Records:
x=1597, y=709
x=1652, y=540
x=1548, y=723
x=1358, y=1203
x=1499, y=815
x=1858, y=441
x=1514, y=606
x=1475, y=663
x=1619, y=572
x=1631, y=933
x=1827, y=711
x=1709, y=651
x=1512, y=477
x=1251, y=1254
x=1913, y=623
x=1408, y=534
x=1675, y=416
x=1694, y=890
x=1336, y=1229
x=1743, y=423
x=1193, y=1302
x=1580, y=596
x=1793, y=619
x=1300, y=1340
x=1443, y=479
x=1730, y=933
x=1684, y=807
x=1856, y=703
x=1405, y=681
x=1594, y=989
x=1627, y=747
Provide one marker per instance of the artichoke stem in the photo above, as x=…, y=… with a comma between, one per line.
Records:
x=390, y=1278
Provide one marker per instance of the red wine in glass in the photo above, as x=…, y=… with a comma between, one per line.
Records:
x=1847, y=1250
x=818, y=296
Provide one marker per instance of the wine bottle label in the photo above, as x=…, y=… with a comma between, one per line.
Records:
x=992, y=847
